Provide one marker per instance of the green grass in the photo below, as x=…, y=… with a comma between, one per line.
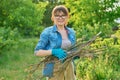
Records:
x=15, y=62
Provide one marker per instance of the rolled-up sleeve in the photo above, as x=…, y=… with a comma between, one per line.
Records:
x=43, y=41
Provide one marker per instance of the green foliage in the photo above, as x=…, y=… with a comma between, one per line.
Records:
x=19, y=17
x=23, y=15
x=90, y=17
x=8, y=38
x=92, y=11
x=87, y=31
x=105, y=65
x=15, y=62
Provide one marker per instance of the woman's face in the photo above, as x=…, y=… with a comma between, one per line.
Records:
x=60, y=19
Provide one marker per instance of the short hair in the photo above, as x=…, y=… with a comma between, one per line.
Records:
x=59, y=8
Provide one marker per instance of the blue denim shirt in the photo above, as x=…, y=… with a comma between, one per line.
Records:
x=50, y=38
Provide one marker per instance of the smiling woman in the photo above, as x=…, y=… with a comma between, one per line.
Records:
x=60, y=16
x=53, y=42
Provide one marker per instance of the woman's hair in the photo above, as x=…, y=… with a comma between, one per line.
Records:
x=59, y=9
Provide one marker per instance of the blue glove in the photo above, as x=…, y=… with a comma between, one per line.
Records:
x=48, y=69
x=59, y=53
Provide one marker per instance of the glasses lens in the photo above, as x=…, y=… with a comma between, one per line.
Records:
x=62, y=16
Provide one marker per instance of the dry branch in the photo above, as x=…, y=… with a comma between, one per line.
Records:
x=79, y=49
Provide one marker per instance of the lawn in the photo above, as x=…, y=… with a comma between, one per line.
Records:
x=15, y=62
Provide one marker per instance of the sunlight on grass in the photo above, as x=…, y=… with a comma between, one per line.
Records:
x=13, y=63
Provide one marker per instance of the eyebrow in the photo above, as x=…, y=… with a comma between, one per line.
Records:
x=57, y=13
x=60, y=10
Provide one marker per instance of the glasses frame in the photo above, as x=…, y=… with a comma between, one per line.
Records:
x=60, y=16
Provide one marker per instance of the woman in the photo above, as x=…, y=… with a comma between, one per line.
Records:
x=54, y=40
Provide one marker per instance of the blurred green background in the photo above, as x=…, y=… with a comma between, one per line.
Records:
x=22, y=21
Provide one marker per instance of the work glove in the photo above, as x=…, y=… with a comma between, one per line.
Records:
x=59, y=53
x=48, y=69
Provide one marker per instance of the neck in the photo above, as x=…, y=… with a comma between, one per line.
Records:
x=61, y=27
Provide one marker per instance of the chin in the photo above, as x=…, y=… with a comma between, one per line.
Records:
x=61, y=24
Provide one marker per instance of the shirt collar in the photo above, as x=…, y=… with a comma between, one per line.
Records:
x=55, y=29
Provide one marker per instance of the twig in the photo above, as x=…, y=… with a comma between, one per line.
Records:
x=71, y=53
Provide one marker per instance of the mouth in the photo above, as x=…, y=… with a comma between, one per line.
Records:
x=60, y=20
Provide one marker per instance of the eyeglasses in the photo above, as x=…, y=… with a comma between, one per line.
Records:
x=58, y=16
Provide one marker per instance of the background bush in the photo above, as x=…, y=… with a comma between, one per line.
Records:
x=19, y=18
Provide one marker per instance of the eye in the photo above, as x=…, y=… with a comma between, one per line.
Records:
x=60, y=16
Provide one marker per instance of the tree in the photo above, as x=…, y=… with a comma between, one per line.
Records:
x=92, y=16
x=23, y=15
x=19, y=17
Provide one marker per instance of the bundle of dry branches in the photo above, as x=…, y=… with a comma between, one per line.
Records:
x=79, y=49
